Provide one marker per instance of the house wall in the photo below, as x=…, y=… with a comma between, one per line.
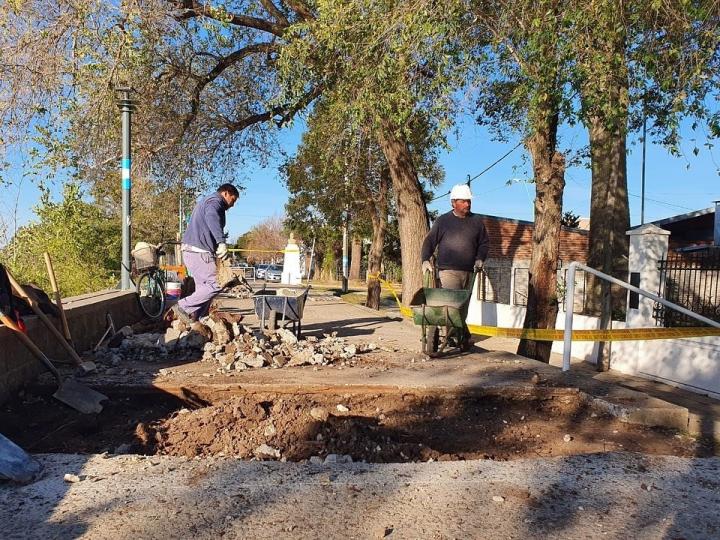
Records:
x=692, y=363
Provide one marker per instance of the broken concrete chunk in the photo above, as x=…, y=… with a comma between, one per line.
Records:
x=265, y=451
x=342, y=408
x=270, y=430
x=287, y=336
x=318, y=413
x=254, y=361
x=195, y=340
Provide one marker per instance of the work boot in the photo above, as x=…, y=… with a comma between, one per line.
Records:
x=176, y=312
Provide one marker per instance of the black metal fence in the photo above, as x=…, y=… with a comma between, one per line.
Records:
x=691, y=280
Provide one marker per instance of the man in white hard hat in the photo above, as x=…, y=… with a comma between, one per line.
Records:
x=461, y=241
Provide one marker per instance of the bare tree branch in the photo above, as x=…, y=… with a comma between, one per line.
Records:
x=190, y=9
x=303, y=11
x=286, y=113
x=221, y=66
x=272, y=9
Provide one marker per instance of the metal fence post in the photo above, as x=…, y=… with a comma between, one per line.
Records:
x=569, y=304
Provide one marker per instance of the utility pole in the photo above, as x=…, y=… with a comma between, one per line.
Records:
x=345, y=252
x=127, y=106
x=642, y=175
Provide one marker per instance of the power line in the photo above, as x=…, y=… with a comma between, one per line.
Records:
x=486, y=169
x=662, y=202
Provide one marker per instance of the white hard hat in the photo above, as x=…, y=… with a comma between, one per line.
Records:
x=460, y=191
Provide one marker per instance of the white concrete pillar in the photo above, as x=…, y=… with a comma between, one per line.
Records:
x=292, y=274
x=648, y=246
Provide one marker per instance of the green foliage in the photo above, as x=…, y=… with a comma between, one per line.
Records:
x=570, y=219
x=389, y=61
x=83, y=243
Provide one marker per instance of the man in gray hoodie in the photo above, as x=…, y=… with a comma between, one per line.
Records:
x=203, y=242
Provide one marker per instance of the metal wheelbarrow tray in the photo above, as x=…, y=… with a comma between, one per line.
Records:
x=435, y=308
x=276, y=309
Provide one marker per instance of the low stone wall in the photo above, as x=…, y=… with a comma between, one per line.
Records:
x=87, y=322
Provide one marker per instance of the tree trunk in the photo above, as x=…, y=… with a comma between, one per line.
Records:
x=609, y=208
x=411, y=211
x=355, y=257
x=605, y=98
x=379, y=216
x=609, y=221
x=549, y=171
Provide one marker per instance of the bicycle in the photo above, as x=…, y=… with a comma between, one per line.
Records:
x=151, y=278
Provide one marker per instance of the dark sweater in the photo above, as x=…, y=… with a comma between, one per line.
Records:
x=459, y=241
x=207, y=222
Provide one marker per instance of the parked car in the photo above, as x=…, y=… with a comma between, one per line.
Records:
x=260, y=270
x=273, y=273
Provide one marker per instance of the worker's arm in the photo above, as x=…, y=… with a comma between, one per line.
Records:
x=483, y=244
x=430, y=243
x=213, y=219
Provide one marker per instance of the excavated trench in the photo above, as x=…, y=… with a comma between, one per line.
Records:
x=362, y=426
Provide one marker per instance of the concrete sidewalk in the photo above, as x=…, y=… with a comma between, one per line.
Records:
x=589, y=496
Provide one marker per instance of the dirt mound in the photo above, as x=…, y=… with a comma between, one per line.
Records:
x=396, y=428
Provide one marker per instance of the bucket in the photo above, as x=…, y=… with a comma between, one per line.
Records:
x=172, y=289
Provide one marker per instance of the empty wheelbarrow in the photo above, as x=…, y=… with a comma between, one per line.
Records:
x=277, y=309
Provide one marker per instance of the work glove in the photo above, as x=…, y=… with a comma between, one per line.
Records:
x=222, y=251
x=479, y=265
x=427, y=267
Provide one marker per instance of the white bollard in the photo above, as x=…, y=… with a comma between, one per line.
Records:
x=291, y=266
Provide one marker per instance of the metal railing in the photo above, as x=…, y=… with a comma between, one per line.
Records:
x=567, y=342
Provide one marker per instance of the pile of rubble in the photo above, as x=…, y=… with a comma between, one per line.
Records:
x=126, y=344
x=230, y=344
x=241, y=290
x=237, y=349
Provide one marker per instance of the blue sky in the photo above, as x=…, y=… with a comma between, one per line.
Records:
x=674, y=185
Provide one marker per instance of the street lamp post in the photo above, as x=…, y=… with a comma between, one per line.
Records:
x=127, y=106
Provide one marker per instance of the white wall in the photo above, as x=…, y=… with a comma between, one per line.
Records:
x=692, y=363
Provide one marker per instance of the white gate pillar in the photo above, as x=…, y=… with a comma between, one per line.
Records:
x=648, y=246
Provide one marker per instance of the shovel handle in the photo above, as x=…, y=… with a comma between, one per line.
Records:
x=58, y=299
x=33, y=305
x=7, y=321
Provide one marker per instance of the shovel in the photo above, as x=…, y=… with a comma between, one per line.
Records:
x=87, y=367
x=58, y=299
x=70, y=392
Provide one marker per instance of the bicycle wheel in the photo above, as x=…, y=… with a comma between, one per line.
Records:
x=151, y=294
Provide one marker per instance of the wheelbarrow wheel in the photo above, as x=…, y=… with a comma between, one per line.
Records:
x=432, y=340
x=272, y=321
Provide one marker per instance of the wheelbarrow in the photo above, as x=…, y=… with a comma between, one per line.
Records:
x=436, y=309
x=278, y=308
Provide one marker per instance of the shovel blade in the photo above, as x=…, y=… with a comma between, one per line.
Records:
x=80, y=397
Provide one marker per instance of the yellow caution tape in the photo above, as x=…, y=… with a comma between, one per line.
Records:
x=541, y=334
x=261, y=250
x=619, y=334
x=404, y=310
